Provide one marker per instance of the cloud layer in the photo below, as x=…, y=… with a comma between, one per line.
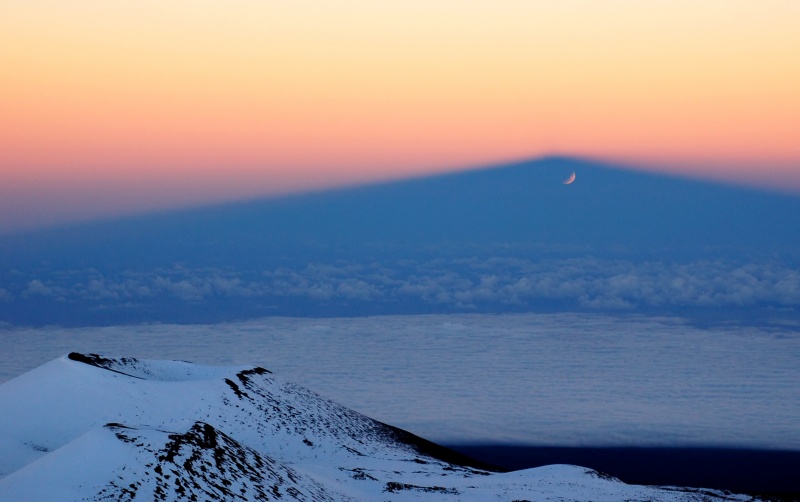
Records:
x=474, y=284
x=548, y=379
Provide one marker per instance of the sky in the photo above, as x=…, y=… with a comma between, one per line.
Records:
x=117, y=107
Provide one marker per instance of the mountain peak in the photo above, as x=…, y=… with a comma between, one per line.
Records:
x=241, y=433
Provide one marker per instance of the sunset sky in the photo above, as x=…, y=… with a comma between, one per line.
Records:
x=118, y=107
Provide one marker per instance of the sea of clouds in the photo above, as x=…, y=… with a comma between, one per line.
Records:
x=541, y=379
x=443, y=285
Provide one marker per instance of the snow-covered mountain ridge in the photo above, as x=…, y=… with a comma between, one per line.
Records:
x=86, y=427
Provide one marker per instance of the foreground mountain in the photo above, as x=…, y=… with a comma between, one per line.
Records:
x=86, y=427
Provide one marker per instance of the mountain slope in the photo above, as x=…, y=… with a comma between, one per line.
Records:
x=97, y=428
x=199, y=464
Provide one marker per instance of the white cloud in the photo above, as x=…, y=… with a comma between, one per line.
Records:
x=188, y=291
x=482, y=283
x=37, y=287
x=357, y=289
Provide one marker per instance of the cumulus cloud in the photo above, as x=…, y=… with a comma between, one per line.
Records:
x=38, y=288
x=482, y=284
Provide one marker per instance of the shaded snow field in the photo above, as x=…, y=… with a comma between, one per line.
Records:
x=560, y=379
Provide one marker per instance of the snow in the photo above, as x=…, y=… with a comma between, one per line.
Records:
x=98, y=428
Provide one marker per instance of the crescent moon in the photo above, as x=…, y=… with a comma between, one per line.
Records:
x=569, y=180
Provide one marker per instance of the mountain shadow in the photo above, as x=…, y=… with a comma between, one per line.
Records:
x=525, y=204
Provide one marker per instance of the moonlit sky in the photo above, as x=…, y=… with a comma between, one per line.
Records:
x=117, y=107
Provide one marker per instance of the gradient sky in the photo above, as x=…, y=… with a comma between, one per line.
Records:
x=115, y=107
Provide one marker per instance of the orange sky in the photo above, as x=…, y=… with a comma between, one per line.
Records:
x=115, y=107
